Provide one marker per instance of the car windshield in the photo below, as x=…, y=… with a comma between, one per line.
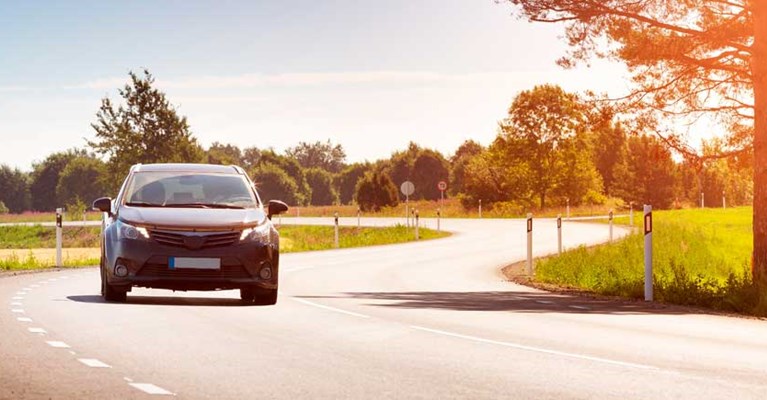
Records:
x=192, y=190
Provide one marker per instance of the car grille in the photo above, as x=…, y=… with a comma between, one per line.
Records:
x=207, y=240
x=162, y=271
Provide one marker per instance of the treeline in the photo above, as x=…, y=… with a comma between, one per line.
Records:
x=552, y=148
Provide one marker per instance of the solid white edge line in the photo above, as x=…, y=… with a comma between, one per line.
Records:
x=149, y=388
x=536, y=349
x=338, y=310
x=93, y=363
x=56, y=344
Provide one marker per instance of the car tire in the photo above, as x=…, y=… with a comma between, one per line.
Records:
x=247, y=295
x=266, y=297
x=111, y=293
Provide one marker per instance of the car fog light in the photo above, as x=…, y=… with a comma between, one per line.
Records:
x=266, y=272
x=121, y=270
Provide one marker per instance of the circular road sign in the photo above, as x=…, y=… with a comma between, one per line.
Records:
x=407, y=188
x=442, y=185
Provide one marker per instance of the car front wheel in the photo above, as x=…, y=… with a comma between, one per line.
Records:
x=111, y=293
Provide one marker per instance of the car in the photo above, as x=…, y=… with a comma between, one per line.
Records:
x=189, y=227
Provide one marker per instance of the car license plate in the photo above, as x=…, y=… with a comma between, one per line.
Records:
x=194, y=263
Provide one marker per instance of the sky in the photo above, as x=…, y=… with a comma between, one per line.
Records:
x=370, y=75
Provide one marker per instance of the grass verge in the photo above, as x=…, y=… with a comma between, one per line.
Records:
x=701, y=258
x=26, y=248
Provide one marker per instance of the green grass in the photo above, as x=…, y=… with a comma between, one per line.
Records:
x=701, y=257
x=295, y=238
x=47, y=217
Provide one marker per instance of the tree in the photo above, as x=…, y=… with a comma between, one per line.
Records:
x=346, y=181
x=687, y=59
x=145, y=129
x=498, y=174
x=544, y=118
x=608, y=140
x=319, y=155
x=14, y=189
x=458, y=162
x=223, y=154
x=321, y=183
x=375, y=191
x=82, y=181
x=647, y=173
x=292, y=168
x=274, y=183
x=45, y=178
x=429, y=168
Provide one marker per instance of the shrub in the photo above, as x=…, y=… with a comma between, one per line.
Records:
x=375, y=191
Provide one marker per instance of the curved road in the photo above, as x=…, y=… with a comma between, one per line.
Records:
x=432, y=319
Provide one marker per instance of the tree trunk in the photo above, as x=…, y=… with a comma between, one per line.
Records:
x=759, y=71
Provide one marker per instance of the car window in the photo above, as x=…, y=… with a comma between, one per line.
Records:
x=189, y=189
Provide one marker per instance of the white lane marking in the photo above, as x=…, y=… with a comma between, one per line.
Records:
x=37, y=330
x=24, y=319
x=300, y=268
x=338, y=310
x=52, y=280
x=64, y=277
x=17, y=310
x=16, y=303
x=127, y=379
x=34, y=286
x=21, y=293
x=544, y=302
x=72, y=352
x=151, y=389
x=536, y=349
x=58, y=345
x=93, y=363
x=581, y=307
x=17, y=298
x=27, y=289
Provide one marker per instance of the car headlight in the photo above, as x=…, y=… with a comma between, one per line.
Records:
x=130, y=232
x=261, y=234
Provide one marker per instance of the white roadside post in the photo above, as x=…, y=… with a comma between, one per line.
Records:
x=439, y=217
x=631, y=213
x=568, y=208
x=529, y=244
x=724, y=200
x=359, y=213
x=611, y=225
x=416, y=225
x=559, y=233
x=480, y=208
x=59, y=226
x=298, y=212
x=648, y=253
x=702, y=200
x=336, y=230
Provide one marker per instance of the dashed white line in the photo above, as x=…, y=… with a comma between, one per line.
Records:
x=24, y=319
x=93, y=363
x=128, y=379
x=544, y=302
x=338, y=310
x=58, y=345
x=34, y=286
x=22, y=293
x=16, y=303
x=17, y=298
x=536, y=349
x=581, y=307
x=52, y=280
x=17, y=310
x=37, y=330
x=151, y=389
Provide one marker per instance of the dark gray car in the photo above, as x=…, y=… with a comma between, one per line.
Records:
x=190, y=227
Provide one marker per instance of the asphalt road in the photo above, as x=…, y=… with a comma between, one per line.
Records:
x=431, y=319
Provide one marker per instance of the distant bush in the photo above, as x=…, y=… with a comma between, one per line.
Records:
x=375, y=191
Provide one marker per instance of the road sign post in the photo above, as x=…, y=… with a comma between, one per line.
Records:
x=439, y=217
x=335, y=242
x=442, y=186
x=59, y=239
x=529, y=244
x=407, y=188
x=648, y=283
x=559, y=234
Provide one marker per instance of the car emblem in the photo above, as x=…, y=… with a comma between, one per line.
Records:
x=194, y=242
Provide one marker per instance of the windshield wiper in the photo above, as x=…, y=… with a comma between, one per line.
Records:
x=205, y=205
x=143, y=204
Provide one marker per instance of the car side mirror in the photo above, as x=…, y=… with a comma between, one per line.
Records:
x=276, y=207
x=103, y=204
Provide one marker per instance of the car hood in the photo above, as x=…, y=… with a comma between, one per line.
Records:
x=192, y=218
